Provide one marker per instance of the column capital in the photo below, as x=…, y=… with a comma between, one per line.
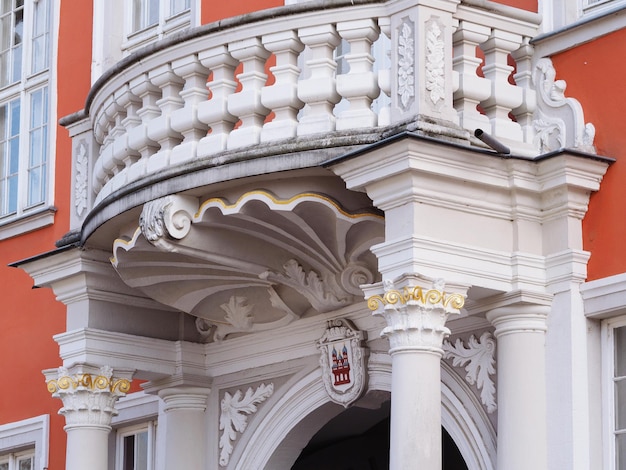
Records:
x=416, y=309
x=88, y=393
x=184, y=398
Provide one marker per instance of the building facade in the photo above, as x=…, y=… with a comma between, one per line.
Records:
x=312, y=234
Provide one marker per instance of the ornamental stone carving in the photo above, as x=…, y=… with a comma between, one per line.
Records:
x=169, y=216
x=559, y=121
x=406, y=63
x=435, y=50
x=234, y=417
x=88, y=393
x=479, y=361
x=81, y=176
x=342, y=358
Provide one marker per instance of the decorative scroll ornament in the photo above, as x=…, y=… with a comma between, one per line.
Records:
x=170, y=215
x=559, y=121
x=104, y=382
x=426, y=297
x=406, y=60
x=80, y=179
x=343, y=361
x=435, y=80
x=234, y=417
x=479, y=361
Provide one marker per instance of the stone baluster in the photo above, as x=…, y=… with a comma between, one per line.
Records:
x=319, y=91
x=384, y=74
x=138, y=139
x=504, y=96
x=214, y=112
x=472, y=88
x=359, y=86
x=282, y=96
x=132, y=104
x=246, y=104
x=160, y=129
x=185, y=120
x=89, y=395
x=523, y=77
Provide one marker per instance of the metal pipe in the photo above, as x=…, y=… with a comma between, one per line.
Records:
x=491, y=142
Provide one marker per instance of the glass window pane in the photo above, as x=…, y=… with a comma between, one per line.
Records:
x=12, y=194
x=129, y=453
x=26, y=464
x=153, y=12
x=141, y=451
x=620, y=351
x=18, y=32
x=620, y=404
x=4, y=466
x=40, y=36
x=178, y=6
x=620, y=452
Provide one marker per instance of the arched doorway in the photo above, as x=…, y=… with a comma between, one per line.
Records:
x=358, y=439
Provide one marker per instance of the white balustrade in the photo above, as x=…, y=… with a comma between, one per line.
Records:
x=183, y=102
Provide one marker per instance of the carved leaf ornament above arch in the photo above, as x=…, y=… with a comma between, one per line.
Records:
x=251, y=265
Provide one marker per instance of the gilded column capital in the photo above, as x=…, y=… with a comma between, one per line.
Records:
x=416, y=309
x=88, y=393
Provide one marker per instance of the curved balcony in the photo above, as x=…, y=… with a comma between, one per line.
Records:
x=311, y=81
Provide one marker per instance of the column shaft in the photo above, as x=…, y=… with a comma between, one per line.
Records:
x=87, y=446
x=185, y=427
x=415, y=411
x=522, y=425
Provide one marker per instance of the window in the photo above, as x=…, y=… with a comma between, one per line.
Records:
x=154, y=19
x=24, y=107
x=18, y=461
x=24, y=444
x=615, y=367
x=135, y=447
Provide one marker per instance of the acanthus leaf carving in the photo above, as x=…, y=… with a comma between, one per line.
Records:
x=238, y=312
x=435, y=61
x=234, y=417
x=478, y=358
x=317, y=290
x=406, y=60
x=80, y=179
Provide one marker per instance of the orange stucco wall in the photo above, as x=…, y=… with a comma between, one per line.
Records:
x=213, y=11
x=593, y=72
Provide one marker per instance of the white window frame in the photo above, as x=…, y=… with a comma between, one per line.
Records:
x=166, y=24
x=136, y=412
x=608, y=368
x=26, y=436
x=31, y=217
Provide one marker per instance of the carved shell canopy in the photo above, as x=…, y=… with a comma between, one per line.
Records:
x=254, y=264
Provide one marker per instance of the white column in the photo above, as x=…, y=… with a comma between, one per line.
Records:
x=416, y=311
x=185, y=427
x=520, y=331
x=89, y=394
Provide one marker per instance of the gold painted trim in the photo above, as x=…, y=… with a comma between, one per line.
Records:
x=89, y=382
x=416, y=294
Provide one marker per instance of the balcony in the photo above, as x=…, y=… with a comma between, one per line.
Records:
x=288, y=82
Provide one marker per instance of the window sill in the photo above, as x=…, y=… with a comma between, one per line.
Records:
x=27, y=223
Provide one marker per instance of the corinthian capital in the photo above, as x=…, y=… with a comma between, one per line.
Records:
x=88, y=393
x=416, y=309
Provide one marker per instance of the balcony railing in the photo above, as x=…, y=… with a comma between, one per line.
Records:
x=312, y=71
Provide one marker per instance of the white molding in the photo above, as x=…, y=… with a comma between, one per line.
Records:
x=606, y=297
x=28, y=222
x=135, y=407
x=28, y=432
